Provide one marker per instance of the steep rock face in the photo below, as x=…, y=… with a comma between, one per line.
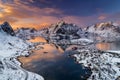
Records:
x=107, y=29
x=63, y=31
x=64, y=28
x=7, y=28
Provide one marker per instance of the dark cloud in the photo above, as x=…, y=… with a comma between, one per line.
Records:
x=42, y=12
x=78, y=7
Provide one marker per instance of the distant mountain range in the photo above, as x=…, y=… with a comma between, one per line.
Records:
x=107, y=29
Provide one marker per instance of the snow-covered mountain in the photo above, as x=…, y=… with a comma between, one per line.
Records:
x=10, y=48
x=106, y=29
x=26, y=33
x=63, y=28
x=63, y=32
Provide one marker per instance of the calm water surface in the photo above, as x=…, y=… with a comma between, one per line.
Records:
x=54, y=64
x=108, y=46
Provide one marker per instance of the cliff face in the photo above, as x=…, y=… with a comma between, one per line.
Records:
x=7, y=28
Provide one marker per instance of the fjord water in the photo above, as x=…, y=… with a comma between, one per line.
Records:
x=108, y=45
x=53, y=63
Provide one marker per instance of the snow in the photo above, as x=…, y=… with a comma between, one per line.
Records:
x=107, y=29
x=10, y=48
x=104, y=65
x=81, y=41
x=113, y=51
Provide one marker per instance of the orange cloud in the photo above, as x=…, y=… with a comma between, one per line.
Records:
x=102, y=17
x=21, y=15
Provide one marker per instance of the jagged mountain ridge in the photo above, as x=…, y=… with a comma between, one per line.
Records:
x=63, y=28
x=66, y=31
x=106, y=29
x=60, y=28
x=25, y=33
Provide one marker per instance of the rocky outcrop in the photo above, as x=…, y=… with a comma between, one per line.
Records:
x=7, y=28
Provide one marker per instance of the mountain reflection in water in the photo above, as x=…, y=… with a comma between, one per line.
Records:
x=108, y=45
x=37, y=39
x=54, y=64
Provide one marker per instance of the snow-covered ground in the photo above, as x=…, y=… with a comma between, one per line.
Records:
x=82, y=41
x=10, y=48
x=105, y=65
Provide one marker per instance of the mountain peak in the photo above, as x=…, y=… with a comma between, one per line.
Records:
x=61, y=22
x=7, y=28
x=104, y=24
x=62, y=25
x=106, y=29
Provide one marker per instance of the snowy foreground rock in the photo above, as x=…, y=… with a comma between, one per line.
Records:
x=10, y=48
x=105, y=65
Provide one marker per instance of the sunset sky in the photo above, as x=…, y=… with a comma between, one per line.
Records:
x=40, y=13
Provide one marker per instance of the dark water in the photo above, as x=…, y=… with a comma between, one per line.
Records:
x=54, y=64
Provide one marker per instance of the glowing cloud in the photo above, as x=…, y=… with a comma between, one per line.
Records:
x=42, y=13
x=102, y=17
